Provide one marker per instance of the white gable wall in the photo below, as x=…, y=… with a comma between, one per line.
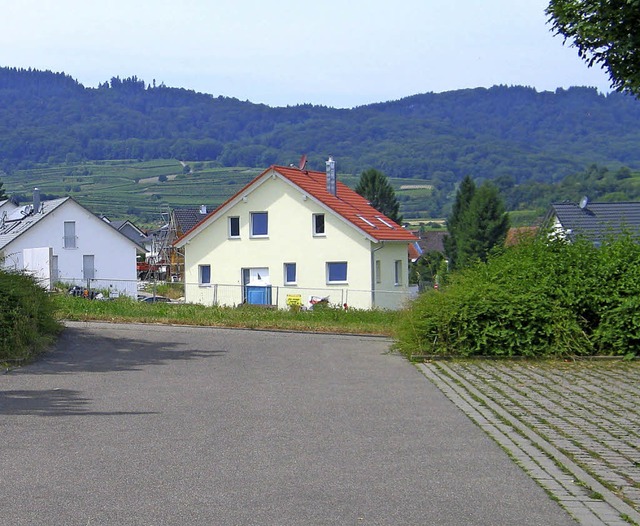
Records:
x=114, y=254
x=290, y=240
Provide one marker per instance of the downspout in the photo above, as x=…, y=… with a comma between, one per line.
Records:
x=373, y=274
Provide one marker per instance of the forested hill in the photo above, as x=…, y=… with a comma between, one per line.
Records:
x=514, y=132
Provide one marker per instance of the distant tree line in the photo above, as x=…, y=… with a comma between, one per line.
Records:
x=515, y=133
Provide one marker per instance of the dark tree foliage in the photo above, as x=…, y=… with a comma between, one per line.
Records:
x=455, y=225
x=483, y=226
x=597, y=182
x=514, y=132
x=376, y=189
x=606, y=33
x=477, y=224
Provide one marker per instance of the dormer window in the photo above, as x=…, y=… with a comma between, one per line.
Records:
x=318, y=225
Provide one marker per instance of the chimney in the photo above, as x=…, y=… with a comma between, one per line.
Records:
x=203, y=209
x=36, y=200
x=331, y=176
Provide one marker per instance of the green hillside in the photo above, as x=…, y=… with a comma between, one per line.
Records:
x=144, y=190
x=108, y=146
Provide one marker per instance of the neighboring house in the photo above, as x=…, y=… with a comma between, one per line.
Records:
x=518, y=234
x=181, y=220
x=595, y=221
x=431, y=240
x=6, y=206
x=130, y=230
x=293, y=236
x=61, y=241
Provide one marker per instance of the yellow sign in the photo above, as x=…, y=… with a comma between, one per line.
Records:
x=294, y=300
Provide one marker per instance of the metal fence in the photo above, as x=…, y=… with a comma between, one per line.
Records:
x=287, y=296
x=233, y=295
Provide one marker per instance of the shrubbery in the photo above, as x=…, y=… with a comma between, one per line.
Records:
x=541, y=298
x=27, y=322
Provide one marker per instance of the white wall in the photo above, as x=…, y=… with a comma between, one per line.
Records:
x=115, y=255
x=290, y=240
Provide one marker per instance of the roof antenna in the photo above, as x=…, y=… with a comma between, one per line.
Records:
x=584, y=202
x=303, y=162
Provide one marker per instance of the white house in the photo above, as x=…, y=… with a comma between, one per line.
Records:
x=593, y=221
x=61, y=241
x=292, y=236
x=7, y=206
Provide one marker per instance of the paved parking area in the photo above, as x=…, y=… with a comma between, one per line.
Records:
x=573, y=426
x=156, y=425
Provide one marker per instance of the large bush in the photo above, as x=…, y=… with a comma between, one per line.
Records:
x=540, y=298
x=27, y=323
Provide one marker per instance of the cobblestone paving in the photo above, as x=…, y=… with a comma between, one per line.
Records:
x=573, y=426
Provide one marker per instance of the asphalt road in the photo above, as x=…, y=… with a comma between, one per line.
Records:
x=157, y=425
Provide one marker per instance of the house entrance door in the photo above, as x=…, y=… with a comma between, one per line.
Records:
x=256, y=286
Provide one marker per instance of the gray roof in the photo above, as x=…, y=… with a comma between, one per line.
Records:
x=22, y=218
x=187, y=218
x=598, y=220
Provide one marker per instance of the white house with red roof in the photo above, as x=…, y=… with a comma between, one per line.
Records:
x=294, y=236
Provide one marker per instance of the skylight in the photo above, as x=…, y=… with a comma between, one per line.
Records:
x=385, y=222
x=366, y=221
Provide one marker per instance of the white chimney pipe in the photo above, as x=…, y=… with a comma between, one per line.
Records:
x=331, y=176
x=36, y=200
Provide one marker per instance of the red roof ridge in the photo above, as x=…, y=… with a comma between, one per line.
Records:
x=346, y=203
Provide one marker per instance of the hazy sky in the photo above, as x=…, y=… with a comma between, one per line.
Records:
x=340, y=53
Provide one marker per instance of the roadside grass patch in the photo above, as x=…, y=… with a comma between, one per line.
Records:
x=328, y=319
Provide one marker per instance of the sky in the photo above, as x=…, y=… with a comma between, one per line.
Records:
x=337, y=53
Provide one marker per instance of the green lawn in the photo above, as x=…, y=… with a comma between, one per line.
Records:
x=352, y=321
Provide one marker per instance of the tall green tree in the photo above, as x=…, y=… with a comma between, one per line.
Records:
x=477, y=224
x=464, y=195
x=375, y=188
x=605, y=33
x=483, y=226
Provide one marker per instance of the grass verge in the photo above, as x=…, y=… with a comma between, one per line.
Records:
x=327, y=319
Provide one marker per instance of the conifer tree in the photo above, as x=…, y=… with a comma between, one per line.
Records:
x=464, y=195
x=376, y=189
x=477, y=224
x=485, y=224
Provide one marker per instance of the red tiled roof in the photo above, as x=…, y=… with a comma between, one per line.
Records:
x=346, y=203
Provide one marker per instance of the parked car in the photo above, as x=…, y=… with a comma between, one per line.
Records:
x=154, y=299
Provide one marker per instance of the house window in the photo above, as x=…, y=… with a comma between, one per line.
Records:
x=88, y=266
x=378, y=272
x=397, y=271
x=69, y=240
x=290, y=276
x=337, y=272
x=318, y=225
x=259, y=224
x=234, y=227
x=204, y=274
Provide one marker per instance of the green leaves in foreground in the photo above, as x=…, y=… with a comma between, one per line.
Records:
x=539, y=299
x=26, y=317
